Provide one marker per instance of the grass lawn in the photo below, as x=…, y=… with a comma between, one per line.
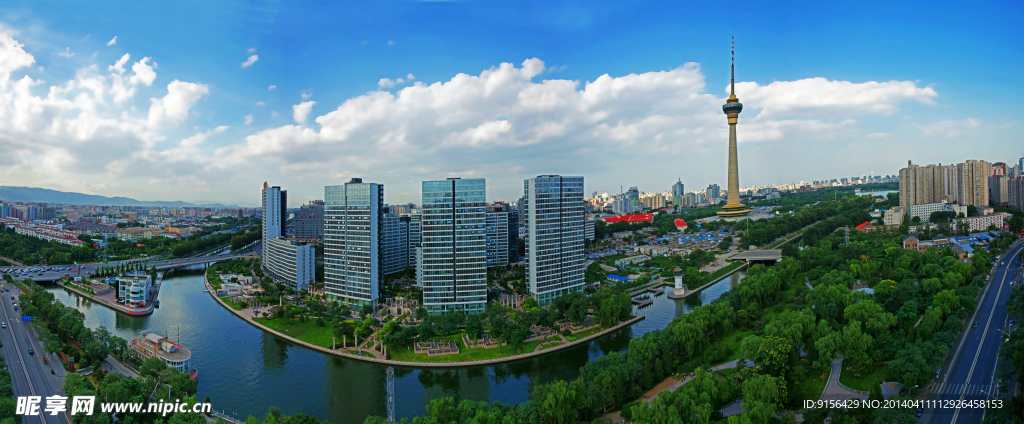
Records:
x=582, y=334
x=235, y=305
x=722, y=271
x=810, y=388
x=730, y=341
x=866, y=381
x=80, y=287
x=407, y=353
x=308, y=331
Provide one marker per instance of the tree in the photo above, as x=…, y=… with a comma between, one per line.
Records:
x=1016, y=224
x=152, y=367
x=475, y=326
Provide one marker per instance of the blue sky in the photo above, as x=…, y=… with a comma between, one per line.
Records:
x=624, y=93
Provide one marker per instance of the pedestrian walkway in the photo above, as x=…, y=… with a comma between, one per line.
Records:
x=966, y=389
x=12, y=261
x=834, y=390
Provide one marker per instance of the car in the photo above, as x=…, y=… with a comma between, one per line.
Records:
x=3, y=325
x=920, y=411
x=975, y=324
x=31, y=352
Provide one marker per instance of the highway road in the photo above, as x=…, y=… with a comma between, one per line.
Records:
x=55, y=272
x=30, y=377
x=972, y=373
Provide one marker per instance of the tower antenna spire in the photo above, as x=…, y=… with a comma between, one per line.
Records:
x=732, y=69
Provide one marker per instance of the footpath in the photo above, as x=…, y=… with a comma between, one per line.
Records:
x=670, y=384
x=12, y=261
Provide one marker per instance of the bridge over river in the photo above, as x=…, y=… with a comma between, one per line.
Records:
x=56, y=272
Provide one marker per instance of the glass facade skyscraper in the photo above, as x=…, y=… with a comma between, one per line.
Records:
x=353, y=240
x=453, y=255
x=554, y=236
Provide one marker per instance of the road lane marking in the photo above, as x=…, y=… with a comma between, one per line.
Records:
x=992, y=312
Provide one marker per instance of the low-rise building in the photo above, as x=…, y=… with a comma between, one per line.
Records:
x=924, y=211
x=652, y=250
x=631, y=260
x=894, y=217
x=982, y=223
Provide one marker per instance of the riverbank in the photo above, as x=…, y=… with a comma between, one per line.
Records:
x=353, y=354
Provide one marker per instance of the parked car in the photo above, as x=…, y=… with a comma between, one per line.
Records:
x=31, y=352
x=975, y=324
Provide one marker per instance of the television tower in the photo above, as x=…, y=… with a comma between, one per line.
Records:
x=732, y=109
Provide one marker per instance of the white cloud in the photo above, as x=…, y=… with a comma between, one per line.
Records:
x=386, y=83
x=307, y=94
x=505, y=123
x=251, y=50
x=143, y=72
x=112, y=41
x=173, y=108
x=950, y=128
x=880, y=136
x=119, y=65
x=271, y=87
x=66, y=53
x=301, y=111
x=12, y=56
x=261, y=103
x=252, y=59
x=391, y=42
x=822, y=97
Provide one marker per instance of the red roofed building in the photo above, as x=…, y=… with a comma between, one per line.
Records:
x=680, y=224
x=861, y=226
x=639, y=217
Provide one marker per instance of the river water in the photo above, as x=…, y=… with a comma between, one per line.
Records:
x=245, y=370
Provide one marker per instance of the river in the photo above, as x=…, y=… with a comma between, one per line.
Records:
x=245, y=370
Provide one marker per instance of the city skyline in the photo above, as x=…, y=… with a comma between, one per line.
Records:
x=200, y=116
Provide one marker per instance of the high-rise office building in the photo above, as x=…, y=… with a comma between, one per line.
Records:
x=678, y=193
x=713, y=192
x=414, y=236
x=502, y=240
x=353, y=227
x=309, y=222
x=554, y=236
x=396, y=243
x=452, y=268
x=275, y=205
x=998, y=169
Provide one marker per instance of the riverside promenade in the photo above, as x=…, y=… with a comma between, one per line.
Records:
x=347, y=352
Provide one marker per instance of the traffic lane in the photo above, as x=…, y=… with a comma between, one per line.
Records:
x=973, y=338
x=989, y=349
x=972, y=343
x=23, y=360
x=43, y=382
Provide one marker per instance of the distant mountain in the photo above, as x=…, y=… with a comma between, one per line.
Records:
x=44, y=195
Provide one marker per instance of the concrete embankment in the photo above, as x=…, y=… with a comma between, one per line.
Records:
x=345, y=354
